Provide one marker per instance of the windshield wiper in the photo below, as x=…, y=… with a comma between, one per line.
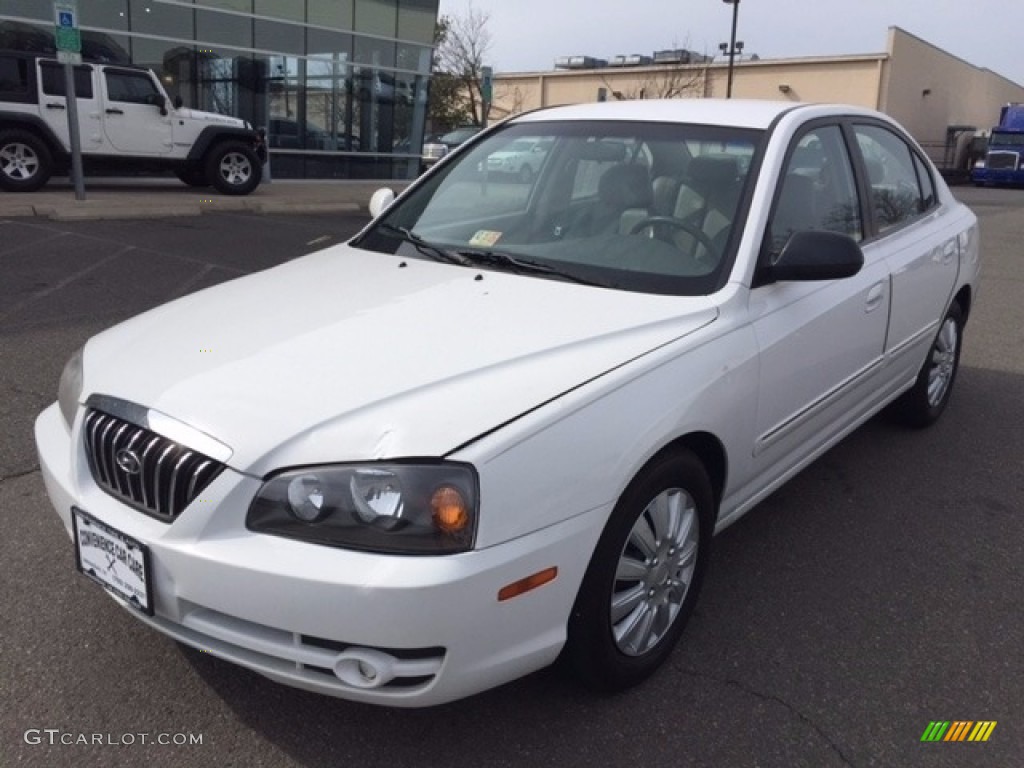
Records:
x=500, y=260
x=427, y=249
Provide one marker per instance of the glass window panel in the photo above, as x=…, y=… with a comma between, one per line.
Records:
x=895, y=193
x=327, y=97
x=321, y=42
x=53, y=80
x=377, y=53
x=223, y=29
x=818, y=191
x=130, y=87
x=30, y=9
x=14, y=78
x=174, y=64
x=244, y=6
x=927, y=187
x=413, y=57
x=160, y=19
x=377, y=17
x=285, y=38
x=282, y=9
x=107, y=14
x=105, y=47
x=330, y=13
x=416, y=20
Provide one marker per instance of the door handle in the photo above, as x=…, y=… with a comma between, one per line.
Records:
x=874, y=298
x=51, y=105
x=115, y=111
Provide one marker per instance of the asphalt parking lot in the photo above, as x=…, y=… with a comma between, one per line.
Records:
x=879, y=590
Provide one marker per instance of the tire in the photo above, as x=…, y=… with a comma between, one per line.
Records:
x=25, y=161
x=193, y=176
x=650, y=562
x=923, y=404
x=233, y=168
x=526, y=174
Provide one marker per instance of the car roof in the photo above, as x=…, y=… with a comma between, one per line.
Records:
x=742, y=113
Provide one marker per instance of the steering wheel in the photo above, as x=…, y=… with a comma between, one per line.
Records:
x=668, y=221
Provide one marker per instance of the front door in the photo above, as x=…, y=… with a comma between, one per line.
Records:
x=132, y=113
x=821, y=342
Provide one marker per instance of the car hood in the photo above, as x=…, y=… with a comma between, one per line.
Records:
x=212, y=117
x=350, y=355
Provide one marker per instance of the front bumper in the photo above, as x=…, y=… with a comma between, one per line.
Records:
x=307, y=615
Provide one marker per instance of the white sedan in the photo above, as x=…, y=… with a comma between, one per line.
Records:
x=503, y=423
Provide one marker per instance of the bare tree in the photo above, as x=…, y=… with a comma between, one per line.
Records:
x=462, y=54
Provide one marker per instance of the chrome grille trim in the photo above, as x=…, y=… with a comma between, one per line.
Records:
x=1002, y=161
x=169, y=477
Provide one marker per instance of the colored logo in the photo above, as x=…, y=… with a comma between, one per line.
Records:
x=958, y=730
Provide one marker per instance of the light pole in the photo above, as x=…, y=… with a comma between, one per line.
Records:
x=732, y=44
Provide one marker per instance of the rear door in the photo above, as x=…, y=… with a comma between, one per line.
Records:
x=133, y=121
x=923, y=255
x=54, y=105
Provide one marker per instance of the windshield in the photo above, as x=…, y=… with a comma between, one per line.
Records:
x=1006, y=139
x=652, y=207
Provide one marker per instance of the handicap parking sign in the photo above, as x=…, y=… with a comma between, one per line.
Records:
x=65, y=19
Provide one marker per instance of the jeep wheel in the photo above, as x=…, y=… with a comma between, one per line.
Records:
x=25, y=162
x=233, y=168
x=193, y=176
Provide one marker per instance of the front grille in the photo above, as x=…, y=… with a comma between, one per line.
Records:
x=1002, y=161
x=143, y=469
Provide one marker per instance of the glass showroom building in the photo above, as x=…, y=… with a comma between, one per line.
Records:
x=339, y=85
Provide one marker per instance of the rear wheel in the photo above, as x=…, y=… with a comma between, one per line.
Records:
x=645, y=574
x=922, y=405
x=25, y=161
x=233, y=168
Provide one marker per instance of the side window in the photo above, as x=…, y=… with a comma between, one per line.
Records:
x=928, y=197
x=895, y=192
x=14, y=79
x=130, y=87
x=817, y=190
x=53, y=80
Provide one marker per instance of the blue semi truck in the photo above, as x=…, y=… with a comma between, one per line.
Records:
x=1002, y=163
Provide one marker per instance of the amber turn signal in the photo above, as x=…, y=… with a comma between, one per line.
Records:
x=448, y=510
x=517, y=588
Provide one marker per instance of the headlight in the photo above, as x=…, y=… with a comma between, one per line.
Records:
x=70, y=387
x=400, y=508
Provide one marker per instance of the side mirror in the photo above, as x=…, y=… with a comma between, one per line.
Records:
x=178, y=101
x=817, y=255
x=381, y=201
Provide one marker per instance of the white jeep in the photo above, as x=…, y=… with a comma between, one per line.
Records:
x=126, y=122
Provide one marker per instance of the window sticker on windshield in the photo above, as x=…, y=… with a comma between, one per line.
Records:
x=485, y=237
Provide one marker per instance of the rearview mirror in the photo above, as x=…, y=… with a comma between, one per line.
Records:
x=817, y=255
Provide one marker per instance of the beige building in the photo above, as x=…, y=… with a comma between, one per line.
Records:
x=922, y=86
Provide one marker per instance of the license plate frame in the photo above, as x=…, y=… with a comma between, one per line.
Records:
x=116, y=561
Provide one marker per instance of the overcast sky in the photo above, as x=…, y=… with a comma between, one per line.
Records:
x=530, y=34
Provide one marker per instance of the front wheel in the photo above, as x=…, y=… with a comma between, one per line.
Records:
x=922, y=405
x=644, y=576
x=233, y=168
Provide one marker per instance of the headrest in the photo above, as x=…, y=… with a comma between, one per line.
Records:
x=625, y=186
